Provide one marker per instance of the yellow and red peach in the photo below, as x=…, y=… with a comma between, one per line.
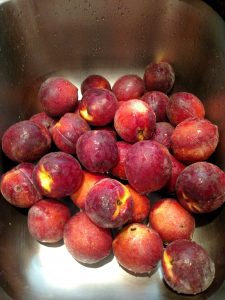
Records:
x=159, y=77
x=109, y=203
x=46, y=220
x=128, y=87
x=141, y=207
x=194, y=140
x=67, y=130
x=98, y=106
x=17, y=186
x=87, y=242
x=95, y=82
x=171, y=220
x=182, y=106
x=58, y=96
x=148, y=166
x=57, y=175
x=89, y=180
x=158, y=102
x=200, y=187
x=134, y=121
x=187, y=267
x=97, y=151
x=138, y=248
x=26, y=141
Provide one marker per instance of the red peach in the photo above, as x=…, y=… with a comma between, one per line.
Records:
x=183, y=106
x=98, y=106
x=26, y=141
x=118, y=170
x=200, y=187
x=158, y=102
x=58, y=96
x=67, y=130
x=141, y=206
x=89, y=180
x=163, y=133
x=148, y=166
x=159, y=77
x=94, y=81
x=43, y=119
x=17, y=186
x=87, y=242
x=177, y=168
x=57, y=174
x=187, y=267
x=171, y=220
x=97, y=151
x=134, y=121
x=109, y=203
x=194, y=140
x=46, y=220
x=138, y=248
x=128, y=87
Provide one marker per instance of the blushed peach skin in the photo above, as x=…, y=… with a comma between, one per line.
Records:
x=95, y=81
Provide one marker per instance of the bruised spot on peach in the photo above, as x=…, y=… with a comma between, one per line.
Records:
x=168, y=261
x=46, y=179
x=84, y=113
x=121, y=202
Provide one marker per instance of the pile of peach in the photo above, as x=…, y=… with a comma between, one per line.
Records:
x=106, y=153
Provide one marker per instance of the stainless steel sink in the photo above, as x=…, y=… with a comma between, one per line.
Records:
x=41, y=38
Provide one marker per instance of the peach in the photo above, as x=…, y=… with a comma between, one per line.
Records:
x=128, y=87
x=98, y=106
x=134, y=121
x=148, y=166
x=95, y=81
x=89, y=180
x=97, y=151
x=17, y=186
x=57, y=175
x=26, y=141
x=43, y=119
x=138, y=248
x=67, y=130
x=159, y=77
x=109, y=203
x=200, y=187
x=183, y=106
x=118, y=170
x=177, y=168
x=46, y=220
x=141, y=207
x=58, y=96
x=171, y=220
x=87, y=242
x=194, y=140
x=187, y=267
x=163, y=133
x=158, y=102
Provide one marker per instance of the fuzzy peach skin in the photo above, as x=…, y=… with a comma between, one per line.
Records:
x=109, y=203
x=171, y=220
x=134, y=121
x=148, y=166
x=159, y=77
x=89, y=180
x=46, y=220
x=187, y=267
x=86, y=242
x=57, y=175
x=194, y=140
x=138, y=248
x=26, y=141
x=200, y=187
x=58, y=96
x=17, y=186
